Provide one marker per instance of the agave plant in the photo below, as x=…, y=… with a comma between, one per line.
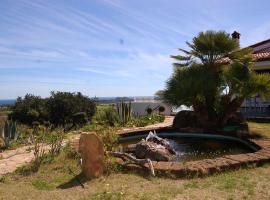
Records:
x=9, y=132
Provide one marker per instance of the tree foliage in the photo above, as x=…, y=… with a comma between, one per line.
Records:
x=214, y=77
x=62, y=106
x=29, y=109
x=60, y=109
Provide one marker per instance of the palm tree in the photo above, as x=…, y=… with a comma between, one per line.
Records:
x=214, y=76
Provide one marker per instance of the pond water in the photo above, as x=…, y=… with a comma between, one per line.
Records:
x=190, y=147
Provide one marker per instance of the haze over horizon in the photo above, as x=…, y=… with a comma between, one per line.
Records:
x=110, y=47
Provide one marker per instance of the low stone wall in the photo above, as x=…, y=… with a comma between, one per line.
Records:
x=210, y=166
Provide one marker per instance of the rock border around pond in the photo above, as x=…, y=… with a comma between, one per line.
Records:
x=207, y=166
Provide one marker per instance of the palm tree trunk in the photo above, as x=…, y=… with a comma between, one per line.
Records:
x=230, y=109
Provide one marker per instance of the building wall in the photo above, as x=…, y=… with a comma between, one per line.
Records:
x=256, y=106
x=139, y=108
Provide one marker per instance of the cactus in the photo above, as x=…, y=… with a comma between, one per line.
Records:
x=124, y=111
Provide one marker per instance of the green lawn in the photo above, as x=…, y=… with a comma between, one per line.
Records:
x=54, y=181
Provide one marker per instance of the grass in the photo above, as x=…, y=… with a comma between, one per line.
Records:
x=55, y=181
x=262, y=129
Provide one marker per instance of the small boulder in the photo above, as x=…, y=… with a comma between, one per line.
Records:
x=92, y=152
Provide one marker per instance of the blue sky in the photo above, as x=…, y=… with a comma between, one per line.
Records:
x=109, y=47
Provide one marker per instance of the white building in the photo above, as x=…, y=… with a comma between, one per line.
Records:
x=140, y=104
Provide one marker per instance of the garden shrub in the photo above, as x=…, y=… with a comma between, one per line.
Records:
x=28, y=109
x=106, y=133
x=62, y=106
x=63, y=109
x=141, y=121
x=107, y=115
x=70, y=152
x=79, y=119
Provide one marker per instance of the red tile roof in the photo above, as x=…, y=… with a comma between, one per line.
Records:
x=262, y=55
x=258, y=57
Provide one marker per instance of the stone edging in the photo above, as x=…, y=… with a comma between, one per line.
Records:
x=210, y=166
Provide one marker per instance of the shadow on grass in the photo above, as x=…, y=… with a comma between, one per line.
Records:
x=77, y=180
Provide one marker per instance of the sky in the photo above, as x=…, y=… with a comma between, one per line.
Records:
x=110, y=47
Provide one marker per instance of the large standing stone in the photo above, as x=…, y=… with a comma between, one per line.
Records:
x=92, y=152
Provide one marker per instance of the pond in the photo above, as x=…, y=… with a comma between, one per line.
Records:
x=196, y=146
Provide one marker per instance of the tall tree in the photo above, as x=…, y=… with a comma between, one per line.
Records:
x=214, y=77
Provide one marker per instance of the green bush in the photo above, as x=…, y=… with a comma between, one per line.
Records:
x=63, y=109
x=70, y=152
x=107, y=115
x=28, y=109
x=141, y=121
x=106, y=133
x=79, y=119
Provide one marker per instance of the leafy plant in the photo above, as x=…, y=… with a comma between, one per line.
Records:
x=106, y=133
x=107, y=115
x=141, y=121
x=55, y=141
x=79, y=119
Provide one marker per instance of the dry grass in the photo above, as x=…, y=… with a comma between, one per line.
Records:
x=260, y=128
x=53, y=181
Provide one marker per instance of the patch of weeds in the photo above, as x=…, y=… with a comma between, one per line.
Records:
x=2, y=179
x=266, y=165
x=42, y=185
x=230, y=198
x=229, y=183
x=163, y=198
x=248, y=185
x=27, y=169
x=70, y=153
x=141, y=196
x=191, y=185
x=107, y=196
x=170, y=191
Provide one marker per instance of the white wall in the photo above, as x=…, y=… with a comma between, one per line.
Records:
x=139, y=108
